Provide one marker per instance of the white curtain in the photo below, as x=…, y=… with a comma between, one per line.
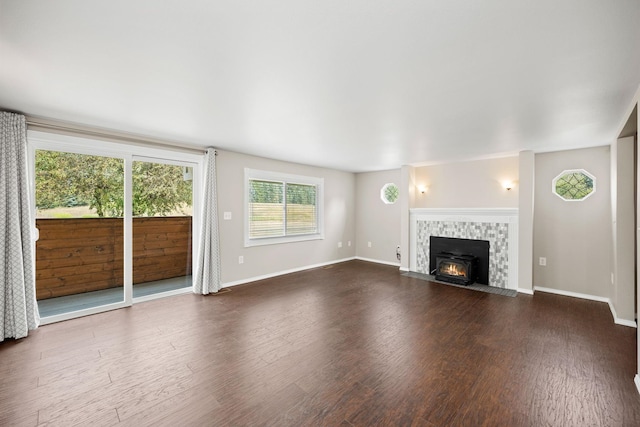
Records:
x=18, y=291
x=207, y=278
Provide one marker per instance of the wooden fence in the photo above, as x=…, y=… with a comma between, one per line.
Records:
x=86, y=254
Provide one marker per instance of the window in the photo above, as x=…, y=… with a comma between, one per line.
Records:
x=574, y=185
x=389, y=193
x=282, y=208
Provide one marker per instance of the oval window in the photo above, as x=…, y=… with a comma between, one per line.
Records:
x=389, y=193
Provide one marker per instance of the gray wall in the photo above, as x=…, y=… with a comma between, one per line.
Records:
x=572, y=234
x=575, y=237
x=377, y=222
x=339, y=216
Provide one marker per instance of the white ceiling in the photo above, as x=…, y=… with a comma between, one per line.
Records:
x=356, y=85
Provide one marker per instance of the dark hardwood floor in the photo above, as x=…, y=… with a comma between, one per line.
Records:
x=352, y=344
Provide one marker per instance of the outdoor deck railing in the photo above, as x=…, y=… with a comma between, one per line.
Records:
x=86, y=254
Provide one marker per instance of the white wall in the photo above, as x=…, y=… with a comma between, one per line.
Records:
x=339, y=217
x=526, y=187
x=377, y=222
x=474, y=184
x=407, y=201
x=575, y=237
x=623, y=229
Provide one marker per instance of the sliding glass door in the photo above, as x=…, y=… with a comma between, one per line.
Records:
x=162, y=227
x=114, y=227
x=79, y=202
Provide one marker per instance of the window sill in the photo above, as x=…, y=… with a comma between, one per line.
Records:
x=279, y=240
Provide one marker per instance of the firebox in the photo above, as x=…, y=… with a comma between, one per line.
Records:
x=462, y=251
x=458, y=269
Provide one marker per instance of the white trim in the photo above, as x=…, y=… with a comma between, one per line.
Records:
x=383, y=195
x=127, y=244
x=404, y=270
x=37, y=140
x=629, y=323
x=84, y=312
x=96, y=147
x=568, y=171
x=457, y=213
x=394, y=264
x=115, y=306
x=525, y=291
x=619, y=321
x=616, y=319
x=571, y=294
x=52, y=126
x=636, y=380
x=282, y=273
x=150, y=297
x=477, y=215
x=249, y=243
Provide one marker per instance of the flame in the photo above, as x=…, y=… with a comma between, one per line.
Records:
x=453, y=269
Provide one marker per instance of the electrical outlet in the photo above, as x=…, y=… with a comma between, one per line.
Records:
x=543, y=261
x=369, y=244
x=349, y=243
x=227, y=215
x=339, y=244
x=612, y=279
x=240, y=259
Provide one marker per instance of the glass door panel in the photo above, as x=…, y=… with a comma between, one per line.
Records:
x=162, y=205
x=79, y=215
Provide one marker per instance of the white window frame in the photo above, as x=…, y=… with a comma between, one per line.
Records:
x=568, y=171
x=255, y=174
x=383, y=196
x=37, y=140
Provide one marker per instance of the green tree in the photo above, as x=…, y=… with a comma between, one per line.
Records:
x=266, y=191
x=301, y=194
x=67, y=179
x=159, y=189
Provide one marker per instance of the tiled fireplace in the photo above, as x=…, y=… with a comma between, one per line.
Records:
x=497, y=226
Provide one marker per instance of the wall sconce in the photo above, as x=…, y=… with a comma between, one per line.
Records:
x=507, y=185
x=422, y=189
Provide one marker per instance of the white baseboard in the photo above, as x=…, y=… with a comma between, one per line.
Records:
x=616, y=319
x=571, y=294
x=636, y=380
x=306, y=267
x=404, y=270
x=525, y=291
x=281, y=273
x=395, y=264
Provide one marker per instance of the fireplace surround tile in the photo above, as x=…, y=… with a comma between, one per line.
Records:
x=498, y=226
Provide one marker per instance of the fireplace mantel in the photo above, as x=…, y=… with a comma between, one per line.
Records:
x=497, y=225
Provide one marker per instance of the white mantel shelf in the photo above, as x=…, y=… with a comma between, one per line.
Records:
x=507, y=217
x=474, y=213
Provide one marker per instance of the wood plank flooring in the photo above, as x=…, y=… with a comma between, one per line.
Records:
x=354, y=344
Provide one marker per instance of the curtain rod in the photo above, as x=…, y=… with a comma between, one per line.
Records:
x=77, y=130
